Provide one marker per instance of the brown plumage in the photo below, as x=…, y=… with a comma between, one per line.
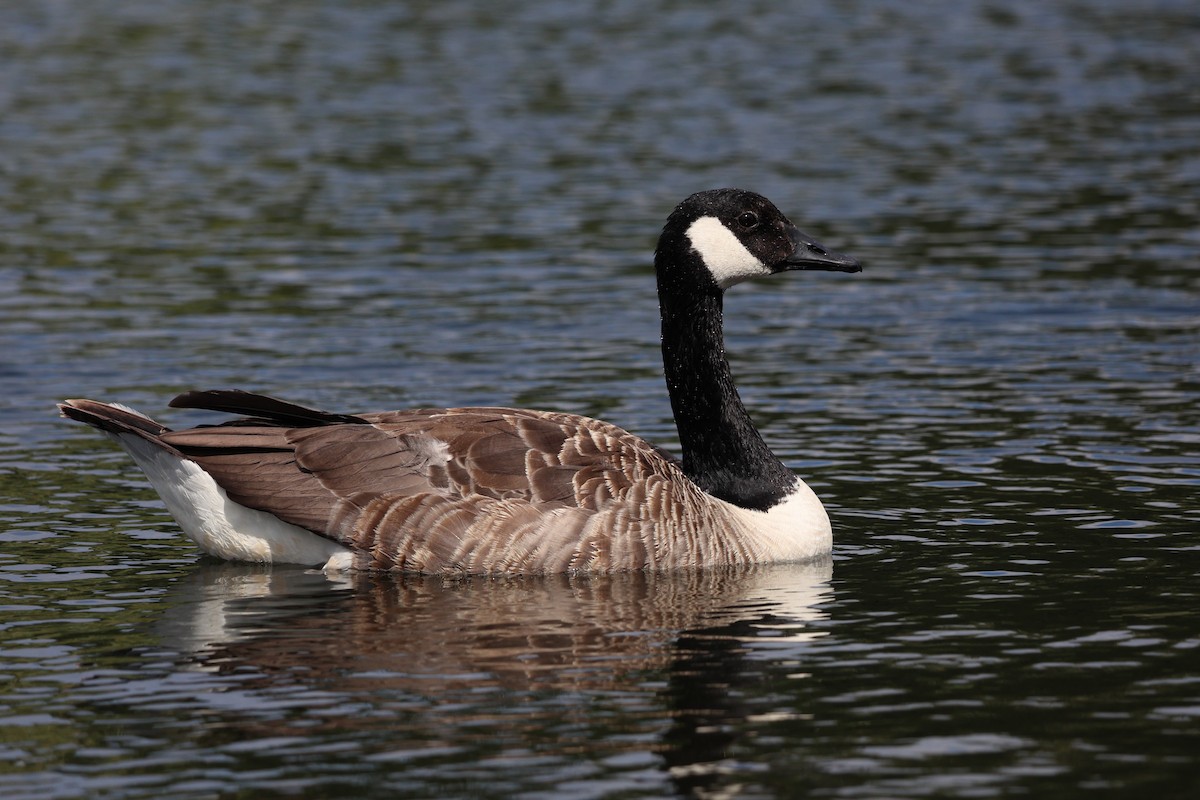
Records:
x=460, y=490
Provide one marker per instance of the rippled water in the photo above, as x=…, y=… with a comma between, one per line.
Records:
x=367, y=205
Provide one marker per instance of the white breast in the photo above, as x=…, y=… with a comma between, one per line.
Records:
x=796, y=529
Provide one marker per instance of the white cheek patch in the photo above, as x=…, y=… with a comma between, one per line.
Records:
x=725, y=256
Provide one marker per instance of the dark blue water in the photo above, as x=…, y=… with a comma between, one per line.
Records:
x=366, y=205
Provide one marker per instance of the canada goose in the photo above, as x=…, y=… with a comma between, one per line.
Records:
x=502, y=490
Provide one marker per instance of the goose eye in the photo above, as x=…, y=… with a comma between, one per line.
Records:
x=748, y=220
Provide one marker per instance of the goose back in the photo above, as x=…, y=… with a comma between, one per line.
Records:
x=469, y=490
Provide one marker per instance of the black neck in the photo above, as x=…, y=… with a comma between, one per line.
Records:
x=723, y=452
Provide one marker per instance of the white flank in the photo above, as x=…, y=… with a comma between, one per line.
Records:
x=725, y=256
x=221, y=527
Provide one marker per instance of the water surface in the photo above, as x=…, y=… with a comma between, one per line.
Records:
x=366, y=206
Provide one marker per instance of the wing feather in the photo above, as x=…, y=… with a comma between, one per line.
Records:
x=443, y=490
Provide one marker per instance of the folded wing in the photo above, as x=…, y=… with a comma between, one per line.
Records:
x=444, y=490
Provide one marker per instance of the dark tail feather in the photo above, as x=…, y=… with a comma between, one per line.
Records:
x=114, y=419
x=110, y=418
x=235, y=401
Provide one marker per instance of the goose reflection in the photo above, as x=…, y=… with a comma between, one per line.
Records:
x=655, y=658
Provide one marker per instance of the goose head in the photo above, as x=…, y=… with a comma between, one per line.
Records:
x=722, y=237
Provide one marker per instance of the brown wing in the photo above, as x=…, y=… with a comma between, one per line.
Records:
x=435, y=490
